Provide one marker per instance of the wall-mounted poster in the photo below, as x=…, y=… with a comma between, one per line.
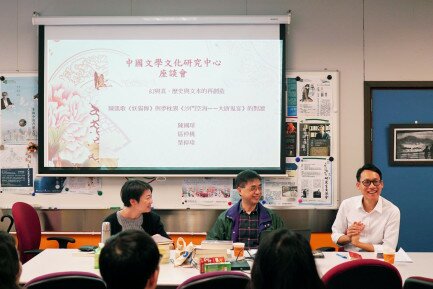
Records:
x=18, y=132
x=315, y=139
x=291, y=133
x=314, y=122
x=315, y=97
x=315, y=181
x=19, y=109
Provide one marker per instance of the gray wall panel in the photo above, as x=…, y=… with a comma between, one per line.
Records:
x=8, y=35
x=174, y=220
x=28, y=37
x=83, y=7
x=188, y=7
x=398, y=40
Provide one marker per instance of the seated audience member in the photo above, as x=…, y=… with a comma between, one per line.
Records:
x=284, y=260
x=245, y=220
x=137, y=214
x=369, y=221
x=10, y=265
x=130, y=260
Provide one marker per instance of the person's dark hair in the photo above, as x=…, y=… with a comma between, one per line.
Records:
x=9, y=262
x=245, y=176
x=284, y=260
x=368, y=167
x=128, y=259
x=133, y=189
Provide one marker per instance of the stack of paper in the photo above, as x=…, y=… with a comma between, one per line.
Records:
x=160, y=240
x=216, y=244
x=164, y=250
x=164, y=247
x=208, y=253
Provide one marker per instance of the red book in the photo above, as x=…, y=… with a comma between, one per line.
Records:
x=210, y=260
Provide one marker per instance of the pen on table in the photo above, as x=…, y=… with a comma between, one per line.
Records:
x=341, y=256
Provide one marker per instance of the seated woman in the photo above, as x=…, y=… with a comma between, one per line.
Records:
x=137, y=214
x=284, y=260
x=10, y=265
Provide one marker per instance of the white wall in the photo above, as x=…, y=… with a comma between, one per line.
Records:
x=364, y=40
x=399, y=40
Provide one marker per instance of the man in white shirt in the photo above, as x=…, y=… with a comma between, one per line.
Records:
x=367, y=222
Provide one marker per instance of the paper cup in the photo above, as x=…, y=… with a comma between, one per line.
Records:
x=238, y=250
x=388, y=255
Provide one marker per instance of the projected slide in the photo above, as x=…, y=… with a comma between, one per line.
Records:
x=175, y=104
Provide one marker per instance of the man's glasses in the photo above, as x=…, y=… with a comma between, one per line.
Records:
x=367, y=183
x=252, y=189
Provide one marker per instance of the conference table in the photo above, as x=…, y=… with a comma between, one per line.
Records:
x=58, y=260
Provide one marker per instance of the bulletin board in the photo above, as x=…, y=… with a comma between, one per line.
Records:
x=18, y=154
x=312, y=137
x=310, y=144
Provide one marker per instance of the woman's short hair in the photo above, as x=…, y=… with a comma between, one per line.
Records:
x=284, y=260
x=9, y=262
x=133, y=189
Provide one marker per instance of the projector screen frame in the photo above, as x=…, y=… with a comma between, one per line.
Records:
x=124, y=171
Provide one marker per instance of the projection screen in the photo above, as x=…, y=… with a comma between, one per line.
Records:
x=161, y=99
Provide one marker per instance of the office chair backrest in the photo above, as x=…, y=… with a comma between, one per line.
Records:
x=363, y=274
x=28, y=228
x=67, y=280
x=417, y=282
x=220, y=279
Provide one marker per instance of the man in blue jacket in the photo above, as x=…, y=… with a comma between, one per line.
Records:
x=247, y=219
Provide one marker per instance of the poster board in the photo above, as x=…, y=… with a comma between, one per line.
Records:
x=312, y=136
x=311, y=146
x=18, y=157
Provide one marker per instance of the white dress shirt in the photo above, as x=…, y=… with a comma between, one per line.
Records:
x=382, y=224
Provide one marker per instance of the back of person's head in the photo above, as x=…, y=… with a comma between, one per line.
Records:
x=128, y=260
x=10, y=267
x=368, y=167
x=245, y=176
x=284, y=260
x=133, y=189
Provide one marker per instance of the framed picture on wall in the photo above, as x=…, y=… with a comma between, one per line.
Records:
x=411, y=144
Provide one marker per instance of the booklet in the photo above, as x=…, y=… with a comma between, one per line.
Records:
x=160, y=240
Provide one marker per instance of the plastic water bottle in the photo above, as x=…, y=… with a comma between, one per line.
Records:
x=105, y=232
x=97, y=254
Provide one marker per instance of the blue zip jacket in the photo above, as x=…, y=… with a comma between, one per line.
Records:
x=226, y=226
